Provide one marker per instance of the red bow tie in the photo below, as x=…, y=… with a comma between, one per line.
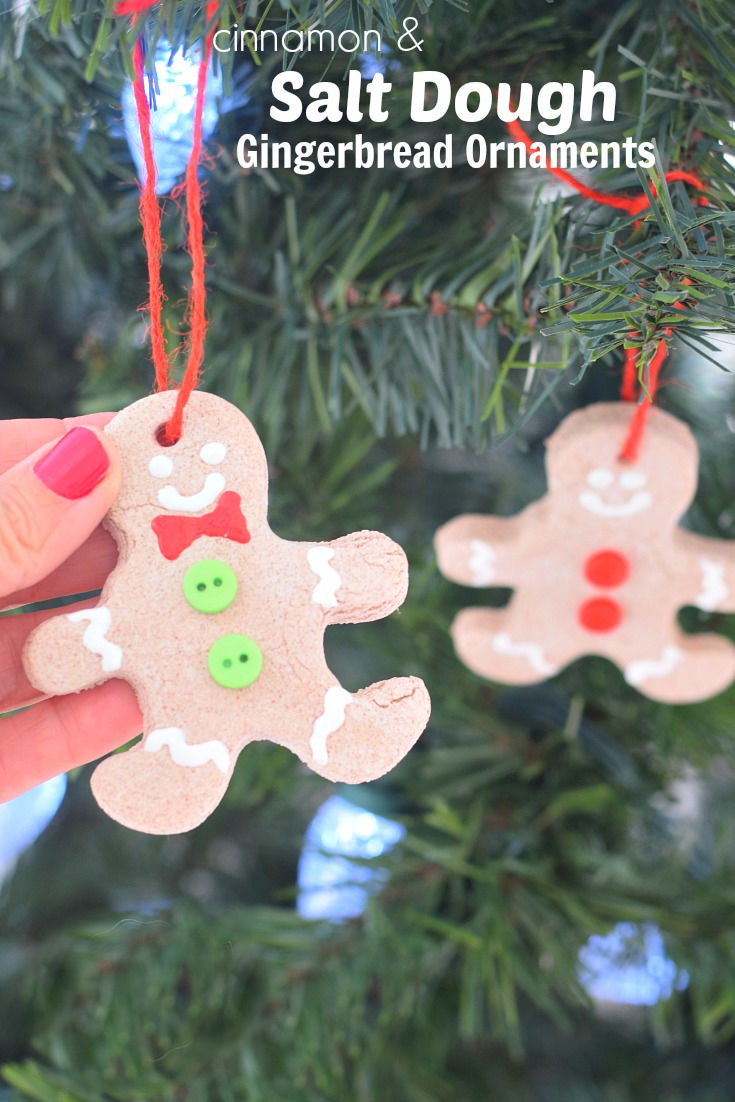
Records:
x=177, y=533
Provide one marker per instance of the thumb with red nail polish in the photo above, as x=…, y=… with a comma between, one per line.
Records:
x=51, y=502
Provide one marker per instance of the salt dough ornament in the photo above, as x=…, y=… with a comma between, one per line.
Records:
x=599, y=565
x=218, y=625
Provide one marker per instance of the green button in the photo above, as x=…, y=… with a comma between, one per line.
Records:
x=210, y=586
x=235, y=661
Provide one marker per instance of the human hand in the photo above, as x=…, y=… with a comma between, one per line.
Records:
x=57, y=481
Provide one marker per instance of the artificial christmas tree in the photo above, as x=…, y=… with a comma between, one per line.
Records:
x=403, y=339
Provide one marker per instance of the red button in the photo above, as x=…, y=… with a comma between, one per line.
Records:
x=600, y=614
x=607, y=569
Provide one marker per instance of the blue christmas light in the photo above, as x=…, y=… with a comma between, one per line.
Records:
x=25, y=817
x=377, y=61
x=630, y=965
x=330, y=884
x=371, y=64
x=172, y=113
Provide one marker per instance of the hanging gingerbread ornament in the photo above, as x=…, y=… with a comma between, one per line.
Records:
x=599, y=565
x=218, y=625
x=215, y=621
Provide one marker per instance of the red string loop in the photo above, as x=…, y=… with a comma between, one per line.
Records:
x=637, y=427
x=630, y=376
x=631, y=205
x=150, y=216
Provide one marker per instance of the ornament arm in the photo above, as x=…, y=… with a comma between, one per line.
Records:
x=360, y=577
x=480, y=550
x=708, y=565
x=73, y=651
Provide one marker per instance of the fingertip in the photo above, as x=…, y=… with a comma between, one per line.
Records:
x=80, y=462
x=52, y=501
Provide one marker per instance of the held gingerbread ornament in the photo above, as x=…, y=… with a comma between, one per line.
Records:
x=218, y=625
x=599, y=565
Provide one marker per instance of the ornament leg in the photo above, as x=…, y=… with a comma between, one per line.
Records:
x=486, y=641
x=167, y=783
x=685, y=669
x=360, y=736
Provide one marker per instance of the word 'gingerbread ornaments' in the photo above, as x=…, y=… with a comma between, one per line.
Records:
x=599, y=565
x=218, y=625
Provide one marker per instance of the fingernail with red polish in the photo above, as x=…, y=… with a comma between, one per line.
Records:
x=75, y=465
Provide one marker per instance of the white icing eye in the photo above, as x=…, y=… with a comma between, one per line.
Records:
x=600, y=478
x=161, y=466
x=632, y=480
x=213, y=453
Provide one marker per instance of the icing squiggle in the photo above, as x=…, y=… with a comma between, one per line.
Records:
x=482, y=562
x=170, y=498
x=713, y=591
x=325, y=591
x=532, y=652
x=636, y=673
x=94, y=636
x=189, y=754
x=336, y=700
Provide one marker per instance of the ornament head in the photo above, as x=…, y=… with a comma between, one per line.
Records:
x=583, y=464
x=218, y=451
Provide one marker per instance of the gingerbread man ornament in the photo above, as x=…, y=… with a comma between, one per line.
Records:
x=599, y=565
x=218, y=625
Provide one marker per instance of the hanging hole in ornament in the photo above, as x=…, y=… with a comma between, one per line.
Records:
x=162, y=436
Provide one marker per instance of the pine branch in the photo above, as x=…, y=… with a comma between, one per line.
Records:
x=452, y=306
x=331, y=286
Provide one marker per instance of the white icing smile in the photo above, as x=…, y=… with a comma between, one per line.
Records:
x=602, y=478
x=161, y=466
x=170, y=498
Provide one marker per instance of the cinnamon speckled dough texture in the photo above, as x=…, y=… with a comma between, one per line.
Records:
x=145, y=631
x=599, y=565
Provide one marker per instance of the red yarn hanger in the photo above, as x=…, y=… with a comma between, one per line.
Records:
x=150, y=216
x=631, y=205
